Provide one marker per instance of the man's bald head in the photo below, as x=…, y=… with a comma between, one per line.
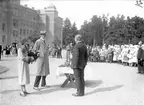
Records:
x=78, y=38
x=140, y=43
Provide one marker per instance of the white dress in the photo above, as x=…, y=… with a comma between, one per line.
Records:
x=23, y=69
x=133, y=56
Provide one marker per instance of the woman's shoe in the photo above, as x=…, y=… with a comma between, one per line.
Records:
x=77, y=95
x=36, y=88
x=46, y=86
x=26, y=92
x=22, y=94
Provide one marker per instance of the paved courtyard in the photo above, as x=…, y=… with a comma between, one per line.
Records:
x=110, y=84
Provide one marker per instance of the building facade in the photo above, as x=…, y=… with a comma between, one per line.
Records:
x=3, y=23
x=18, y=22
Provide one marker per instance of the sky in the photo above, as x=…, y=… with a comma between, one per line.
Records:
x=80, y=10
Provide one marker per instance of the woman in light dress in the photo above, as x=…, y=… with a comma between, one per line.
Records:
x=23, y=68
x=133, y=56
x=69, y=49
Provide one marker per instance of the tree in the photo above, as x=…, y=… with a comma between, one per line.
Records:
x=69, y=32
x=33, y=38
x=56, y=40
x=74, y=30
x=94, y=31
x=86, y=32
x=118, y=30
x=66, y=31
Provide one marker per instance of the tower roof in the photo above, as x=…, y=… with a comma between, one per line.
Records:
x=51, y=6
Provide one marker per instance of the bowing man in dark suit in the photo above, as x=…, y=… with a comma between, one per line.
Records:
x=79, y=61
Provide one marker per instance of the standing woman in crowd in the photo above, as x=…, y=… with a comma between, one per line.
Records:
x=23, y=68
x=68, y=51
x=8, y=50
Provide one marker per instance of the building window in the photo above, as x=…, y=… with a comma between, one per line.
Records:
x=17, y=33
x=15, y=11
x=3, y=26
x=14, y=33
x=27, y=32
x=20, y=31
x=3, y=38
x=31, y=32
x=34, y=18
x=24, y=31
x=15, y=23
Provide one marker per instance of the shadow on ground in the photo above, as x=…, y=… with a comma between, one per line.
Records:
x=93, y=83
x=55, y=88
x=9, y=91
x=13, y=77
x=104, y=89
x=5, y=60
x=3, y=69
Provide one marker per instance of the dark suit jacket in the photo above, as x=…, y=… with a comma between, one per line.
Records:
x=140, y=57
x=140, y=54
x=80, y=56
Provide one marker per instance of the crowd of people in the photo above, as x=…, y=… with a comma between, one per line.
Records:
x=127, y=55
x=55, y=51
x=124, y=54
x=9, y=50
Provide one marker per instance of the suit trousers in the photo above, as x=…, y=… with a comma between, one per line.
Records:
x=37, y=81
x=140, y=69
x=79, y=79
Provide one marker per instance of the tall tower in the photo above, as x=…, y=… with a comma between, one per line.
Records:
x=54, y=25
x=9, y=22
x=52, y=13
